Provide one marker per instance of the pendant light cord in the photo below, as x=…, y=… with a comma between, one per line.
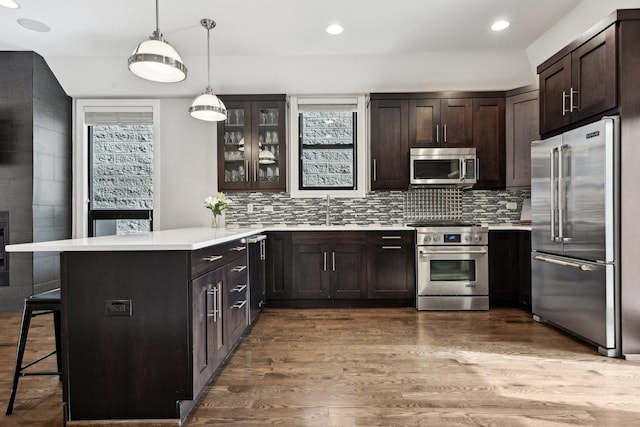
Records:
x=157, y=19
x=209, y=59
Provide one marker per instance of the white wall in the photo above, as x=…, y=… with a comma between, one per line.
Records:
x=587, y=14
x=188, y=166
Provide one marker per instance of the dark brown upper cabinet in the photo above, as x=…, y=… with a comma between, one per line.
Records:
x=389, y=145
x=489, y=141
x=522, y=127
x=440, y=123
x=252, y=144
x=580, y=84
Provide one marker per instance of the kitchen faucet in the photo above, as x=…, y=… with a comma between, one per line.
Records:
x=328, y=219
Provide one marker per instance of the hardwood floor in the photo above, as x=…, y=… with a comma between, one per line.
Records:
x=385, y=367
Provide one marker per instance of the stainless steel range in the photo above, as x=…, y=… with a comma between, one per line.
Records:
x=453, y=267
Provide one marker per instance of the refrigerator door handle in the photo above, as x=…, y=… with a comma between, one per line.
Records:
x=561, y=194
x=576, y=265
x=565, y=154
x=553, y=194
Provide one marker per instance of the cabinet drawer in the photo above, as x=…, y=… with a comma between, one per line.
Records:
x=212, y=257
x=391, y=239
x=237, y=280
x=324, y=237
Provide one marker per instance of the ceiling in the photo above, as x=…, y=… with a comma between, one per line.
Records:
x=256, y=41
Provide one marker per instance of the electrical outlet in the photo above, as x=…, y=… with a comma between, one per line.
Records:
x=512, y=205
x=268, y=208
x=250, y=208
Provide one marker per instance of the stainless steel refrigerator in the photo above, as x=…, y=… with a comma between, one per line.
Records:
x=574, y=237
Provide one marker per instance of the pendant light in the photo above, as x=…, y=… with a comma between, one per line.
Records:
x=207, y=106
x=156, y=60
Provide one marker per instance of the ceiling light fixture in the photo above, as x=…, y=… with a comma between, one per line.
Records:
x=334, y=29
x=500, y=25
x=9, y=4
x=154, y=59
x=207, y=106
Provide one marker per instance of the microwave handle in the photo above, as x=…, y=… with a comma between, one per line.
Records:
x=463, y=170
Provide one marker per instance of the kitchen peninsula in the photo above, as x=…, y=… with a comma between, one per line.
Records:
x=149, y=318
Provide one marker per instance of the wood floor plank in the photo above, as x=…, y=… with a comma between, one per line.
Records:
x=385, y=367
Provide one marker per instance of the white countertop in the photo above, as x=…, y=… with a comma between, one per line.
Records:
x=175, y=240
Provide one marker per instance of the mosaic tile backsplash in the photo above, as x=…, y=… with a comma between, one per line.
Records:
x=383, y=208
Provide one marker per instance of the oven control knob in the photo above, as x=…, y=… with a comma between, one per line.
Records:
x=467, y=238
x=427, y=238
x=436, y=238
x=478, y=238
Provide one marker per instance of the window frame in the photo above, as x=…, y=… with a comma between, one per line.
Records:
x=298, y=103
x=81, y=138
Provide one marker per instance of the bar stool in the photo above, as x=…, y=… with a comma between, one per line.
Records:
x=37, y=305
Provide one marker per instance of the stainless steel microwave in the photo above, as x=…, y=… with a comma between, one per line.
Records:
x=443, y=166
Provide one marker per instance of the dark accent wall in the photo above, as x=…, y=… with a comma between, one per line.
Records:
x=35, y=170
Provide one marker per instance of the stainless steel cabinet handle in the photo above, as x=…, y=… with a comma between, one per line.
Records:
x=255, y=171
x=324, y=267
x=477, y=168
x=564, y=103
x=246, y=171
x=238, y=248
x=391, y=237
x=239, y=304
x=239, y=268
x=438, y=132
x=333, y=260
x=239, y=288
x=571, y=105
x=219, y=307
x=375, y=171
x=444, y=131
x=391, y=247
x=214, y=293
x=212, y=258
x=578, y=265
x=263, y=250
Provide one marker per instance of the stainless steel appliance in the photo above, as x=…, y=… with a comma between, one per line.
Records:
x=574, y=213
x=452, y=267
x=443, y=166
x=257, y=275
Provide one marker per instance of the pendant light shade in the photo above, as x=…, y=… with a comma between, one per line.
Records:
x=156, y=60
x=208, y=106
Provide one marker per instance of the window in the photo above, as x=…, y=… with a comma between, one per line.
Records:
x=327, y=149
x=120, y=152
x=328, y=157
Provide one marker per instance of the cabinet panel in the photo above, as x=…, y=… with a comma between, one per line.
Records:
x=391, y=265
x=503, y=268
x=389, y=145
x=456, y=118
x=424, y=122
x=489, y=141
x=522, y=127
x=348, y=272
x=555, y=82
x=593, y=71
x=278, y=268
x=310, y=267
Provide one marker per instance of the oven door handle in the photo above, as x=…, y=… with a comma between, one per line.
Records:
x=449, y=251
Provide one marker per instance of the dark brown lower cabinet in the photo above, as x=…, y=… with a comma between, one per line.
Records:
x=510, y=269
x=391, y=265
x=145, y=331
x=329, y=265
x=356, y=268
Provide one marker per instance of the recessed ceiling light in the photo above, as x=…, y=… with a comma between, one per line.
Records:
x=33, y=25
x=9, y=3
x=500, y=25
x=335, y=29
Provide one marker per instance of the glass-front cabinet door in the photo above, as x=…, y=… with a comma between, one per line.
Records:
x=251, y=145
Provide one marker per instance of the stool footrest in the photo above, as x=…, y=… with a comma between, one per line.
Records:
x=36, y=361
